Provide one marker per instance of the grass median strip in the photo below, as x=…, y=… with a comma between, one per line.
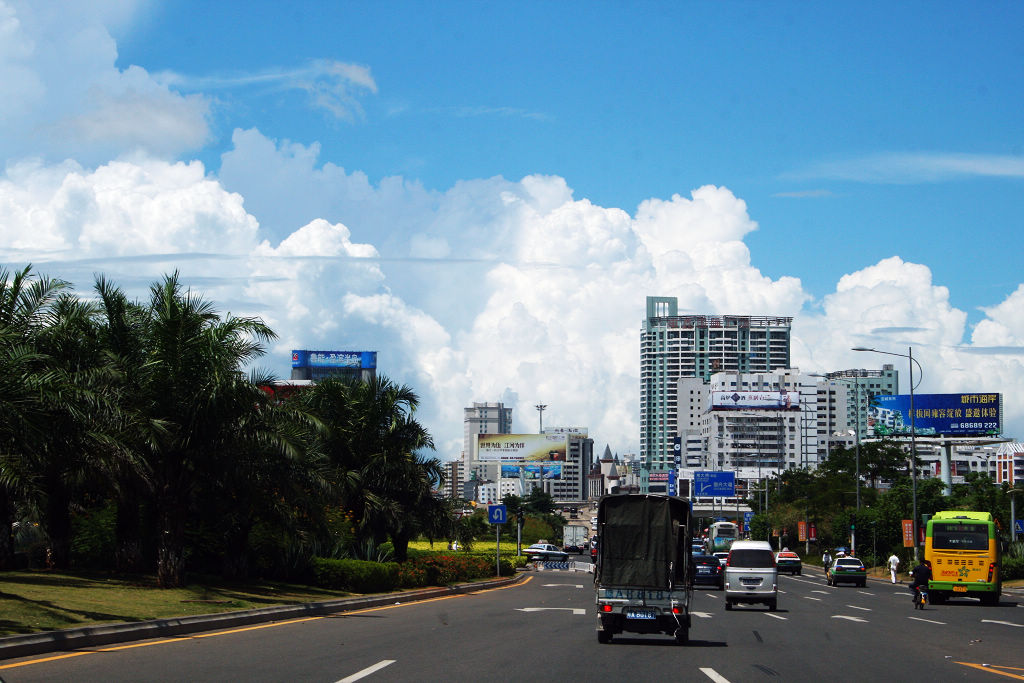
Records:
x=32, y=602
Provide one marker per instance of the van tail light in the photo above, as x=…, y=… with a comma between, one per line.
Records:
x=606, y=608
x=676, y=610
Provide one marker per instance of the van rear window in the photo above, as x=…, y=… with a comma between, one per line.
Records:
x=751, y=558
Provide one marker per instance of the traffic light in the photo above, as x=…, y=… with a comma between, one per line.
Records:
x=853, y=522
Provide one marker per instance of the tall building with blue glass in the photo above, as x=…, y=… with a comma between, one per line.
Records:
x=674, y=346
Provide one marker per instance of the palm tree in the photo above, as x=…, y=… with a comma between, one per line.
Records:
x=371, y=441
x=26, y=383
x=192, y=401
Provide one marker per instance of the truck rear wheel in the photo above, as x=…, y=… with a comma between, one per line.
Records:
x=604, y=637
x=682, y=635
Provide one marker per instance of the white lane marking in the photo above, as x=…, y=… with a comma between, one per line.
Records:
x=711, y=595
x=940, y=623
x=866, y=593
x=702, y=615
x=574, y=610
x=774, y=616
x=367, y=671
x=822, y=592
x=1004, y=623
x=843, y=616
x=866, y=609
x=569, y=585
x=713, y=675
x=808, y=597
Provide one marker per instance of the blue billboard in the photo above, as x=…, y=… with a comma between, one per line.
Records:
x=334, y=359
x=936, y=414
x=714, y=483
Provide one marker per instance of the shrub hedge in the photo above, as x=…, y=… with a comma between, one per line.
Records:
x=357, y=576
x=421, y=569
x=1013, y=568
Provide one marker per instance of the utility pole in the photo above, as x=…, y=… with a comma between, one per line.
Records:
x=541, y=407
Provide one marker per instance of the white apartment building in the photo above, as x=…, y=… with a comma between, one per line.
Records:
x=764, y=437
x=493, y=492
x=674, y=346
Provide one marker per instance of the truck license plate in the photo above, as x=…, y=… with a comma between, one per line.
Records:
x=959, y=589
x=641, y=614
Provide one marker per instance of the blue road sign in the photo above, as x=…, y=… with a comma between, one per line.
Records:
x=671, y=482
x=748, y=517
x=714, y=483
x=497, y=514
x=1018, y=525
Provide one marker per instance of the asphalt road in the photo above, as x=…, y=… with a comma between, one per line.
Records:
x=543, y=629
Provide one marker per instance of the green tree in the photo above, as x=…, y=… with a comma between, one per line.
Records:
x=28, y=384
x=193, y=401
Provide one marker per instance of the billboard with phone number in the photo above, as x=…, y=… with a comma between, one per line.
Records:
x=937, y=414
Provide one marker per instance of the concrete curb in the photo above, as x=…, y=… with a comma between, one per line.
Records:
x=92, y=636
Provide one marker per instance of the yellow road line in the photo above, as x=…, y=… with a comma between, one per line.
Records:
x=994, y=669
x=274, y=624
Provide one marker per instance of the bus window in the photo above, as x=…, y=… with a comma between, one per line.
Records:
x=960, y=537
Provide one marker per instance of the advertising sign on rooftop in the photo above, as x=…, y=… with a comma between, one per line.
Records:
x=522, y=447
x=936, y=414
x=755, y=400
x=334, y=359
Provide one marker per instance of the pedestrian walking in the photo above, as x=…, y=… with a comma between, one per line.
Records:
x=894, y=564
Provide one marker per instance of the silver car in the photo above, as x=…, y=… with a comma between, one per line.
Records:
x=751, y=575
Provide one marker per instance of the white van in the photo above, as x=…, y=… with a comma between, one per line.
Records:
x=751, y=575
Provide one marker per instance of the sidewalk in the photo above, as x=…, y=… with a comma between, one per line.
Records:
x=92, y=636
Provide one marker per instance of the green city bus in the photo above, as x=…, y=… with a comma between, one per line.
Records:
x=963, y=549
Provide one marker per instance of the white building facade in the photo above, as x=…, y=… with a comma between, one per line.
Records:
x=674, y=346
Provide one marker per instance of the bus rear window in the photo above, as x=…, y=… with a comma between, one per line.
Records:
x=960, y=537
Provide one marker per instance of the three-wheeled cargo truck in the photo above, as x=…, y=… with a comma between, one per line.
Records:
x=643, y=574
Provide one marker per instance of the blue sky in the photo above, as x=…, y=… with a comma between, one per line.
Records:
x=833, y=123
x=486, y=192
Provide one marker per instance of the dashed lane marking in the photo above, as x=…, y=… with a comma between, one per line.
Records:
x=1004, y=623
x=367, y=671
x=808, y=597
x=713, y=675
x=930, y=621
x=866, y=609
x=774, y=616
x=843, y=616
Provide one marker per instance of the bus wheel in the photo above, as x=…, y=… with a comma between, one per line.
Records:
x=990, y=599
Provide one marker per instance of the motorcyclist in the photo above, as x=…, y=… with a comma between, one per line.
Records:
x=920, y=576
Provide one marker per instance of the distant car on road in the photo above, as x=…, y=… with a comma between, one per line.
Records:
x=722, y=557
x=847, y=570
x=708, y=571
x=789, y=562
x=545, y=552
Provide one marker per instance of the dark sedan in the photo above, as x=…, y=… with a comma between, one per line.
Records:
x=708, y=571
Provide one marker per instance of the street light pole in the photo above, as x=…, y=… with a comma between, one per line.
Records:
x=909, y=355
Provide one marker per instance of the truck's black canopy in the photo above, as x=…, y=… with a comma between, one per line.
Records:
x=644, y=541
